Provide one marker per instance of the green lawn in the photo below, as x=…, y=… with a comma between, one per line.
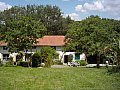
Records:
x=19, y=78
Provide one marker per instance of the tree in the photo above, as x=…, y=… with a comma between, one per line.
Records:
x=47, y=55
x=21, y=34
x=113, y=54
x=52, y=19
x=2, y=26
x=50, y=16
x=70, y=58
x=91, y=36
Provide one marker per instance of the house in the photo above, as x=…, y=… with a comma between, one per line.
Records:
x=4, y=54
x=56, y=42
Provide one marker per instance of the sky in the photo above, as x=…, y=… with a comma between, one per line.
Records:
x=76, y=9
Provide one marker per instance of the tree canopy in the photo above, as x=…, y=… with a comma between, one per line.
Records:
x=50, y=16
x=92, y=35
x=21, y=33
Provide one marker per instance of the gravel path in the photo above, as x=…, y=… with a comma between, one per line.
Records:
x=59, y=66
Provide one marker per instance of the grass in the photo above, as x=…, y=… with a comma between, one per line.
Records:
x=19, y=78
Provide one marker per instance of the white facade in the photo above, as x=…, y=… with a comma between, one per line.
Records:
x=57, y=42
x=4, y=54
x=62, y=55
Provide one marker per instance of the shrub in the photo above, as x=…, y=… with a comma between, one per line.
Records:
x=114, y=69
x=20, y=55
x=8, y=64
x=70, y=58
x=57, y=62
x=82, y=62
x=24, y=63
x=47, y=55
x=36, y=59
x=18, y=62
x=48, y=62
x=1, y=64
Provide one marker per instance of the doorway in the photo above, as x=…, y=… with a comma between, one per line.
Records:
x=65, y=58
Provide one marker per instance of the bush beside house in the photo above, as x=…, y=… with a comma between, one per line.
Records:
x=81, y=62
x=70, y=58
x=45, y=55
x=36, y=59
x=25, y=63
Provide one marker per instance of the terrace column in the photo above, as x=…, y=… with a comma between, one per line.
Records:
x=1, y=57
x=24, y=58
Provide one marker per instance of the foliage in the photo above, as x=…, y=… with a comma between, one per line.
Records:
x=113, y=53
x=57, y=62
x=1, y=64
x=114, y=69
x=91, y=36
x=24, y=63
x=22, y=33
x=36, y=59
x=19, y=56
x=47, y=55
x=18, y=62
x=50, y=16
x=9, y=64
x=70, y=58
x=82, y=62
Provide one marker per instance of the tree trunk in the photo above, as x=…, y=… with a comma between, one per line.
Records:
x=86, y=57
x=62, y=56
x=31, y=58
x=98, y=61
x=26, y=58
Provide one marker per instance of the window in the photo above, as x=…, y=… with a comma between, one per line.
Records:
x=5, y=56
x=5, y=48
x=77, y=56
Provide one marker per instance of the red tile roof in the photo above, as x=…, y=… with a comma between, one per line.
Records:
x=3, y=43
x=51, y=41
x=47, y=41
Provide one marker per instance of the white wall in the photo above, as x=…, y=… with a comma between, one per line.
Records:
x=82, y=56
x=3, y=52
x=62, y=54
x=1, y=57
x=58, y=50
x=13, y=55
